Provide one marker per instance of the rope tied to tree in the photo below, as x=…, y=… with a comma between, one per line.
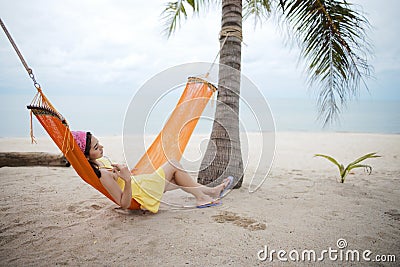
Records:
x=231, y=30
x=226, y=31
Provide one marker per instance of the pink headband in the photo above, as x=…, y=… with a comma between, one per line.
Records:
x=80, y=138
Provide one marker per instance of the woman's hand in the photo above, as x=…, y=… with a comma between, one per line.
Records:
x=134, y=171
x=122, y=197
x=122, y=171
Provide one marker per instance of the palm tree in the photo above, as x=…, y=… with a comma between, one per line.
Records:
x=333, y=44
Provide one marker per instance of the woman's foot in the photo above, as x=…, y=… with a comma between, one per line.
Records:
x=212, y=195
x=215, y=192
x=205, y=200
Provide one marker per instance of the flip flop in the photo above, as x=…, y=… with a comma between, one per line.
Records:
x=209, y=204
x=227, y=188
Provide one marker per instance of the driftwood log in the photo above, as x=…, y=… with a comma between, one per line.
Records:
x=18, y=159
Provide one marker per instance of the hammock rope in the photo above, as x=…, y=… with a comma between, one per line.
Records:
x=226, y=31
x=37, y=100
x=29, y=70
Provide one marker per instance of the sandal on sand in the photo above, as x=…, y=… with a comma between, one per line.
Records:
x=209, y=204
x=227, y=188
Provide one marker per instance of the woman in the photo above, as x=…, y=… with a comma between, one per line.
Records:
x=146, y=189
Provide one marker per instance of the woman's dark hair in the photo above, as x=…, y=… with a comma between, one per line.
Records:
x=88, y=143
x=94, y=165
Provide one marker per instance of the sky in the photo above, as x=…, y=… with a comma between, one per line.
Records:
x=85, y=53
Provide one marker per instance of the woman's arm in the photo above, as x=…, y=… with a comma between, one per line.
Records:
x=122, y=198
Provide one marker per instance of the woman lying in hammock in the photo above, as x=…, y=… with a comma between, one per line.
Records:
x=146, y=189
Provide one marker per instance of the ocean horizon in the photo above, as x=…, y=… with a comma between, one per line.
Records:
x=289, y=115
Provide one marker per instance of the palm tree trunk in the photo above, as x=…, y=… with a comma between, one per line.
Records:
x=223, y=156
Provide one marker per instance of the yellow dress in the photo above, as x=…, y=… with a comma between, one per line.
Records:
x=147, y=189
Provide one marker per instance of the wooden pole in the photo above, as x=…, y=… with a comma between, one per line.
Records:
x=19, y=159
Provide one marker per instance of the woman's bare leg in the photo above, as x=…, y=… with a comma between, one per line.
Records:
x=178, y=178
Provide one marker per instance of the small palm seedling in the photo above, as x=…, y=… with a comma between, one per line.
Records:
x=355, y=164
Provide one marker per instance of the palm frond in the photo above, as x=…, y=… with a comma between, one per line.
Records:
x=258, y=9
x=282, y=4
x=175, y=11
x=172, y=16
x=334, y=46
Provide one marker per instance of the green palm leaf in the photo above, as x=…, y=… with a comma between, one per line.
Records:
x=334, y=44
x=175, y=11
x=172, y=14
x=259, y=9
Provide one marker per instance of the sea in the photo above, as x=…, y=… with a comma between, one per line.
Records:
x=106, y=118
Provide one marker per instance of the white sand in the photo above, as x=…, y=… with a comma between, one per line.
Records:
x=49, y=216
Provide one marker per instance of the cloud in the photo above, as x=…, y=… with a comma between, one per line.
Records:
x=89, y=43
x=104, y=47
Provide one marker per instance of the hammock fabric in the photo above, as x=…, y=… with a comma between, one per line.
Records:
x=169, y=144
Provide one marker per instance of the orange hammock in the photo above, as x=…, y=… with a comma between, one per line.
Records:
x=170, y=142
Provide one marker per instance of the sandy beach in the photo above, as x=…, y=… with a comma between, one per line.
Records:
x=49, y=216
